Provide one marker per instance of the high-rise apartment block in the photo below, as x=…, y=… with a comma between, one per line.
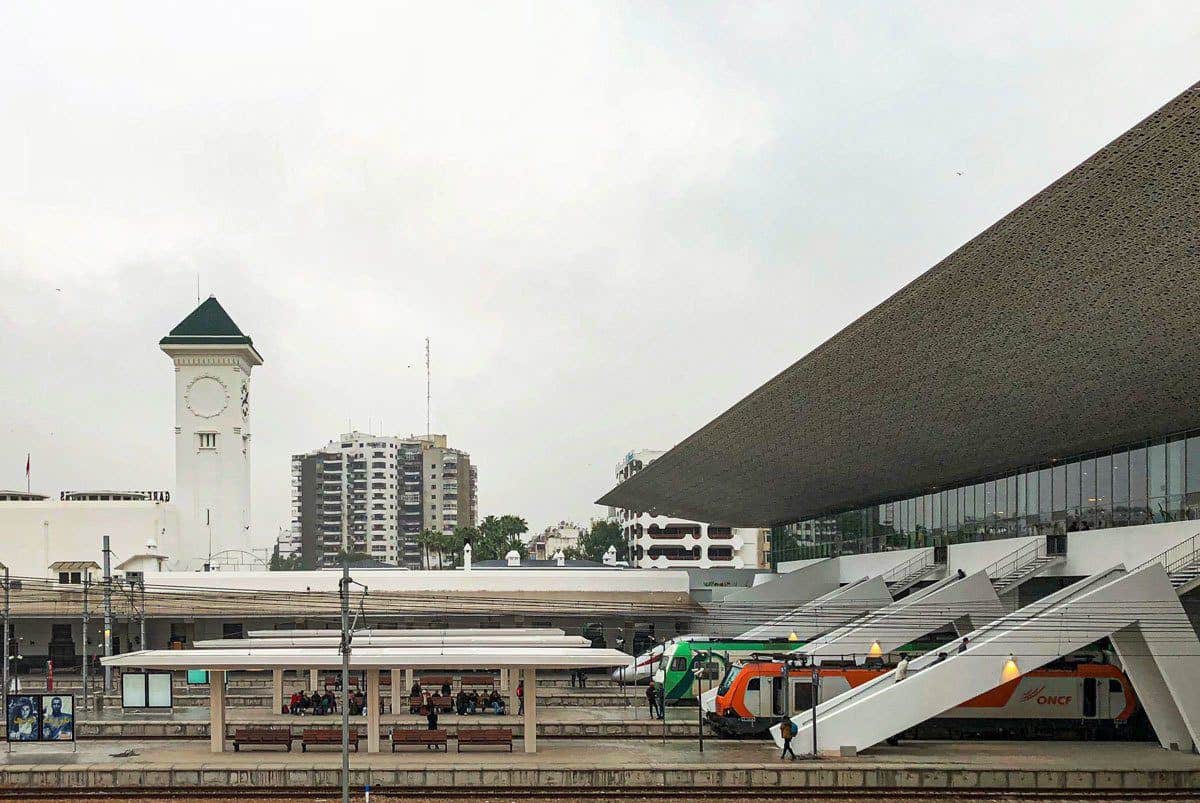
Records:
x=374, y=494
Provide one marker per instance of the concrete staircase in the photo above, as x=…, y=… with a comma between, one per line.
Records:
x=1021, y=564
x=1182, y=562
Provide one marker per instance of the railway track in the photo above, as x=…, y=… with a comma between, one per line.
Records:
x=649, y=795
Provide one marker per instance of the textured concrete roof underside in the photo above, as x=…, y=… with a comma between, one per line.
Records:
x=1070, y=325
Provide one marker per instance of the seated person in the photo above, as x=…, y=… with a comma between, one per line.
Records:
x=445, y=689
x=460, y=703
x=414, y=694
x=496, y=702
x=294, y=703
x=328, y=702
x=473, y=702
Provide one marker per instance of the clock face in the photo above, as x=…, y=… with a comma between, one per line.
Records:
x=206, y=397
x=245, y=399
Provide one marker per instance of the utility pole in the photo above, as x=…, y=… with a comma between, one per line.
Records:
x=428, y=394
x=142, y=587
x=344, y=593
x=6, y=633
x=107, y=614
x=86, y=616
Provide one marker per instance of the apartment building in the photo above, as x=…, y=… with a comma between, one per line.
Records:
x=667, y=542
x=564, y=535
x=374, y=494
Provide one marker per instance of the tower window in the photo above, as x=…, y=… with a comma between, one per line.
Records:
x=207, y=440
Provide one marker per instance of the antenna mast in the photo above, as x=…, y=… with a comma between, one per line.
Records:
x=428, y=385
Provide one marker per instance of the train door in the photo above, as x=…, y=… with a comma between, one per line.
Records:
x=778, y=697
x=1116, y=698
x=755, y=697
x=1092, y=699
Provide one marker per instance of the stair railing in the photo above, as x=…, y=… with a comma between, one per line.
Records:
x=1013, y=561
x=909, y=567
x=1177, y=557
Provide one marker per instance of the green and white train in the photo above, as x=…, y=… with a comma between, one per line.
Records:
x=676, y=668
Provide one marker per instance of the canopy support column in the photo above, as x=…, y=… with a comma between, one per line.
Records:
x=530, y=709
x=372, y=680
x=216, y=711
x=399, y=692
x=409, y=679
x=503, y=682
x=276, y=691
x=514, y=704
x=313, y=679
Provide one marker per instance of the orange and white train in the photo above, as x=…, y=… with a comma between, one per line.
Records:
x=1077, y=700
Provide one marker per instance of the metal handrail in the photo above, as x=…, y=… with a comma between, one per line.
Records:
x=1013, y=559
x=1188, y=556
x=908, y=567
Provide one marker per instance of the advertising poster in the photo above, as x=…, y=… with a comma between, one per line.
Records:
x=23, y=715
x=58, y=717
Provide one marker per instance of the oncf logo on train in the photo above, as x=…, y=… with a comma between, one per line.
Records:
x=1045, y=699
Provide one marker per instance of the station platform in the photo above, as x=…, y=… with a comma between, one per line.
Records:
x=557, y=722
x=606, y=764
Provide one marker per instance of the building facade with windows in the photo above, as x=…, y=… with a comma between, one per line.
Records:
x=658, y=541
x=1039, y=380
x=374, y=494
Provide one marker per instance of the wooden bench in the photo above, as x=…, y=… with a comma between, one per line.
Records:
x=484, y=681
x=436, y=681
x=437, y=738
x=262, y=736
x=326, y=736
x=485, y=736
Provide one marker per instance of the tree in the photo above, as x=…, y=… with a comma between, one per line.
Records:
x=428, y=539
x=603, y=535
x=498, y=535
x=290, y=563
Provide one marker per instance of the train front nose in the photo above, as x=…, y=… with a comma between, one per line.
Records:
x=623, y=674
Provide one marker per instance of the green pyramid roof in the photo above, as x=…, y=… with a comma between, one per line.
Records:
x=208, y=324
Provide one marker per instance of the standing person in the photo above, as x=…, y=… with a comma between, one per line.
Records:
x=574, y=677
x=787, y=731
x=902, y=669
x=583, y=678
x=431, y=716
x=652, y=700
x=660, y=692
x=963, y=646
x=521, y=697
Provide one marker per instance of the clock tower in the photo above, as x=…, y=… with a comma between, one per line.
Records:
x=212, y=360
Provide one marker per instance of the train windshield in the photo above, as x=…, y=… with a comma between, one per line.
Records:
x=730, y=675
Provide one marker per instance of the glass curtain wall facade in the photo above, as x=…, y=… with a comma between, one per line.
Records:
x=1150, y=482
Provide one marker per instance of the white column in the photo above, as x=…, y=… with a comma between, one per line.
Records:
x=216, y=711
x=513, y=703
x=530, y=709
x=276, y=690
x=408, y=680
x=313, y=679
x=399, y=692
x=372, y=710
x=503, y=681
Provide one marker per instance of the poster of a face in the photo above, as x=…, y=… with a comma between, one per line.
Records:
x=58, y=717
x=23, y=717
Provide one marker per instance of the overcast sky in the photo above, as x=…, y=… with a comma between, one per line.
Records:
x=613, y=221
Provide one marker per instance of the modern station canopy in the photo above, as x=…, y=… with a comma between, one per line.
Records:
x=1066, y=327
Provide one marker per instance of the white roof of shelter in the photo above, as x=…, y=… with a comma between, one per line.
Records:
x=414, y=640
x=372, y=657
x=453, y=631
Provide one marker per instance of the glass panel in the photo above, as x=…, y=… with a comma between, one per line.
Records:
x=1058, y=488
x=1120, y=481
x=1175, y=488
x=939, y=501
x=1073, y=488
x=1137, y=477
x=1087, y=489
x=1045, y=497
x=1104, y=479
x=1031, y=493
x=1156, y=473
x=989, y=503
x=1193, y=465
x=1022, y=496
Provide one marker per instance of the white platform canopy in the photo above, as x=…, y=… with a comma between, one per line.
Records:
x=418, y=657
x=391, y=640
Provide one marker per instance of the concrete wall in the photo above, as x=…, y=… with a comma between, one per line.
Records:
x=799, y=586
x=497, y=580
x=35, y=534
x=981, y=554
x=856, y=567
x=1094, y=551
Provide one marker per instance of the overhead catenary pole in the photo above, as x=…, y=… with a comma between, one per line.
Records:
x=107, y=614
x=344, y=593
x=86, y=616
x=6, y=632
x=142, y=635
